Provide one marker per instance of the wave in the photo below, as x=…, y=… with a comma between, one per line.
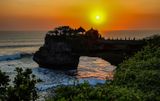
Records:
x=14, y=56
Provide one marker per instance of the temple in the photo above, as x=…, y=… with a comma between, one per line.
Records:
x=63, y=47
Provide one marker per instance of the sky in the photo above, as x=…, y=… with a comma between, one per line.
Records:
x=112, y=14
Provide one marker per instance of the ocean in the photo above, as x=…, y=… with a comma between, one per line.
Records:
x=17, y=48
x=137, y=34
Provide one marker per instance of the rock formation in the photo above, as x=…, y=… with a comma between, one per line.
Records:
x=63, y=46
x=58, y=56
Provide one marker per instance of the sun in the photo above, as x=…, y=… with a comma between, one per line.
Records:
x=98, y=17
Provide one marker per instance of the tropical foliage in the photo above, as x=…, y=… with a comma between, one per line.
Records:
x=23, y=88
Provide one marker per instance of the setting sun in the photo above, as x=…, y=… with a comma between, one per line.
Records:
x=98, y=17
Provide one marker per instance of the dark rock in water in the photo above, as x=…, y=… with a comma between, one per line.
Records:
x=71, y=72
x=56, y=55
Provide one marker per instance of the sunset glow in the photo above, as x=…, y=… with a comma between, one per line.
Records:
x=101, y=14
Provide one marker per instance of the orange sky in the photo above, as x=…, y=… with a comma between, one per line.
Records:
x=46, y=14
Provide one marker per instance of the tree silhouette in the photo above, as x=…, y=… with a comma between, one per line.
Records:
x=64, y=30
x=93, y=34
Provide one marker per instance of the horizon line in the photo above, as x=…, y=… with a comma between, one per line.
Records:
x=96, y=29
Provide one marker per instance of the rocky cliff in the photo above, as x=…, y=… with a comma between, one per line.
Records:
x=57, y=55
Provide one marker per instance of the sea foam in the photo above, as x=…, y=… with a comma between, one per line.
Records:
x=14, y=56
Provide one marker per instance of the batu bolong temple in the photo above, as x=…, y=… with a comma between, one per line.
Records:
x=63, y=47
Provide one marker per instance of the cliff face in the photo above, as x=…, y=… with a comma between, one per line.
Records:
x=56, y=55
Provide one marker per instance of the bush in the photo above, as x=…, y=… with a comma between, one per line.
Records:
x=85, y=92
x=142, y=72
x=4, y=79
x=23, y=88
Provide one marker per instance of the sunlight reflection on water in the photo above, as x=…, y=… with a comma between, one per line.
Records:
x=95, y=67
